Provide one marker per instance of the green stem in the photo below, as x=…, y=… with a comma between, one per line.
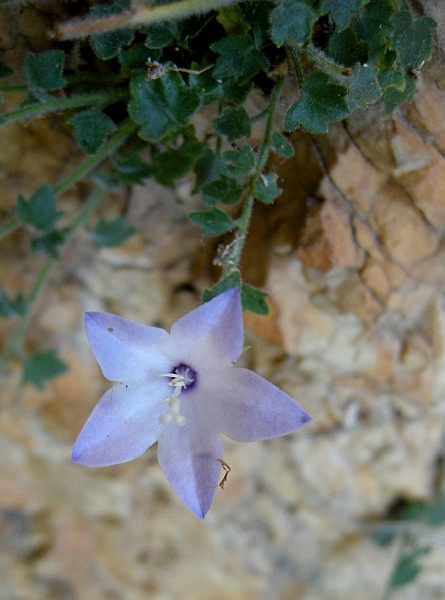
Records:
x=21, y=324
x=13, y=88
x=139, y=15
x=244, y=220
x=88, y=165
x=78, y=101
x=297, y=66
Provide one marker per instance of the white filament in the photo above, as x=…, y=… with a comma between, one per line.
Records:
x=174, y=412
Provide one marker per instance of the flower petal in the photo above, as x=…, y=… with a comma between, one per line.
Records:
x=189, y=456
x=123, y=425
x=125, y=350
x=217, y=324
x=247, y=407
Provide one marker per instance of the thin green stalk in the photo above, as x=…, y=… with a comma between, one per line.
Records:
x=297, y=66
x=88, y=165
x=244, y=220
x=139, y=15
x=13, y=88
x=80, y=100
x=19, y=330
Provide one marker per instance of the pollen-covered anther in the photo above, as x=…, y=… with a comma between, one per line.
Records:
x=174, y=412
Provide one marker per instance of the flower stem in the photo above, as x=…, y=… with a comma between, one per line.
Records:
x=80, y=100
x=18, y=332
x=137, y=16
x=244, y=220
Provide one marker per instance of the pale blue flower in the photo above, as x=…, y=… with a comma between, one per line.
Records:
x=181, y=390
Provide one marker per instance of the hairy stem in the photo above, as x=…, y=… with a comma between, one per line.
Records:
x=138, y=15
x=244, y=220
x=40, y=108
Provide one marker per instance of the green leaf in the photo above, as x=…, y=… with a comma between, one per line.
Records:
x=407, y=567
x=292, y=22
x=233, y=122
x=363, y=86
x=205, y=84
x=281, y=146
x=10, y=307
x=413, y=39
x=341, y=11
x=225, y=189
x=237, y=163
x=131, y=168
x=5, y=71
x=346, y=49
x=177, y=162
x=231, y=281
x=160, y=35
x=258, y=15
x=232, y=19
x=135, y=58
x=234, y=92
x=40, y=210
x=212, y=222
x=266, y=188
x=109, y=234
x=376, y=26
x=254, y=300
x=45, y=70
x=435, y=512
x=42, y=366
x=107, y=45
x=48, y=243
x=239, y=59
x=392, y=97
x=207, y=168
x=383, y=536
x=320, y=103
x=91, y=129
x=161, y=105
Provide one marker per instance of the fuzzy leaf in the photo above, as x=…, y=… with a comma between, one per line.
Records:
x=10, y=307
x=135, y=58
x=346, y=49
x=225, y=189
x=131, y=169
x=45, y=70
x=392, y=96
x=161, y=105
x=239, y=59
x=254, y=300
x=40, y=210
x=232, y=19
x=91, y=129
x=363, y=86
x=320, y=103
x=109, y=234
x=49, y=243
x=231, y=281
x=107, y=45
x=407, y=567
x=376, y=26
x=238, y=162
x=212, y=222
x=233, y=123
x=266, y=188
x=292, y=22
x=42, y=366
x=160, y=35
x=207, y=168
x=281, y=146
x=341, y=11
x=257, y=13
x=413, y=39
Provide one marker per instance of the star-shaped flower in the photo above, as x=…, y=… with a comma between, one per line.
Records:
x=180, y=389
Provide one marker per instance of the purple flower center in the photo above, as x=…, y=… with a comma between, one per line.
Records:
x=189, y=374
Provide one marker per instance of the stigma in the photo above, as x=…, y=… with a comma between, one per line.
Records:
x=179, y=382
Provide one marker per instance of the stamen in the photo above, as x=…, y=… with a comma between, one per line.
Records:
x=174, y=412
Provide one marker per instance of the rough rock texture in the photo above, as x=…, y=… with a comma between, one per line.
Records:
x=353, y=258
